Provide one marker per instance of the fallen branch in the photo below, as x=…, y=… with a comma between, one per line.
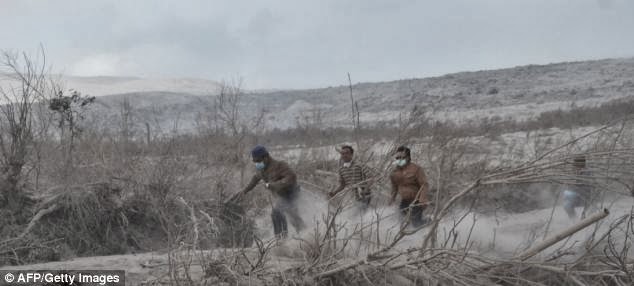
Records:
x=340, y=269
x=566, y=233
x=326, y=173
x=436, y=219
x=32, y=223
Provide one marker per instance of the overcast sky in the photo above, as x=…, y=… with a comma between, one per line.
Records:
x=300, y=44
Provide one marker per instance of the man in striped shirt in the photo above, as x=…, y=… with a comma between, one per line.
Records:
x=355, y=177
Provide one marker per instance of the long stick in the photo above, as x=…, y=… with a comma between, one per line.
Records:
x=566, y=233
x=436, y=218
x=358, y=262
x=232, y=198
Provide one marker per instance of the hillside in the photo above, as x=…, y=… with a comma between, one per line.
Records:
x=516, y=93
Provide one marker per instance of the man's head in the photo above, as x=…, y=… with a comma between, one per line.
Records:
x=260, y=156
x=347, y=152
x=402, y=156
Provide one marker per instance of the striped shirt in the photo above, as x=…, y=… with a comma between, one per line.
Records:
x=356, y=176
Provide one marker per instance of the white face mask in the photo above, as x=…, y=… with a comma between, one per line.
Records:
x=347, y=165
x=400, y=162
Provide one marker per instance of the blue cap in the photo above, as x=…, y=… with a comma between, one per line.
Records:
x=259, y=151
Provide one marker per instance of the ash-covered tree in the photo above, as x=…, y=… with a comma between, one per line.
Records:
x=70, y=108
x=26, y=85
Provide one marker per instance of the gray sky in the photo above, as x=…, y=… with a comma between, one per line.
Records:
x=300, y=44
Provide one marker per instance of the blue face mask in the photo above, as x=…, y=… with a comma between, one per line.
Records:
x=259, y=165
x=400, y=162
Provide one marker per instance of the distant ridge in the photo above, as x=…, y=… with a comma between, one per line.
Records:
x=517, y=93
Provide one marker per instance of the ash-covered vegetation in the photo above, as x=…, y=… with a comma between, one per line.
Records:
x=75, y=184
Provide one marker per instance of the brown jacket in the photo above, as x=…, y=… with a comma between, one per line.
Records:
x=278, y=174
x=408, y=181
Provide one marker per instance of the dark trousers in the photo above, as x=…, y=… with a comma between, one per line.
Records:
x=286, y=205
x=415, y=212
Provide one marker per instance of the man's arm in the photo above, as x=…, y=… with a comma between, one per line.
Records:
x=394, y=188
x=254, y=182
x=288, y=180
x=238, y=196
x=421, y=178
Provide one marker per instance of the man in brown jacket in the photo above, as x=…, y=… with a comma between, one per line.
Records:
x=282, y=181
x=409, y=181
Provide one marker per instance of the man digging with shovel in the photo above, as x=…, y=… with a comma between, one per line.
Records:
x=280, y=179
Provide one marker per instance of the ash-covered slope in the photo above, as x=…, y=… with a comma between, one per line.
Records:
x=517, y=93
